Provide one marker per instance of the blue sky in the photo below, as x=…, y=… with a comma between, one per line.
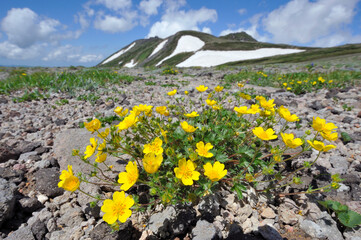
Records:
x=64, y=33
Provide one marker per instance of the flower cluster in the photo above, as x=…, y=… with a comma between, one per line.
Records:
x=183, y=152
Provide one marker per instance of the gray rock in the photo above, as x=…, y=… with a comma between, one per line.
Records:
x=352, y=233
x=70, y=215
x=47, y=182
x=209, y=207
x=205, y=231
x=15, y=176
x=39, y=230
x=7, y=200
x=323, y=227
x=268, y=232
x=7, y=153
x=340, y=165
x=159, y=222
x=30, y=205
x=69, y=139
x=23, y=233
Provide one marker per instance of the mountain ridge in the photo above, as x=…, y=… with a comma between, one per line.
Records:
x=158, y=52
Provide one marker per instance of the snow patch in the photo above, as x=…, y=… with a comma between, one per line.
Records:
x=158, y=48
x=130, y=64
x=118, y=54
x=186, y=43
x=209, y=58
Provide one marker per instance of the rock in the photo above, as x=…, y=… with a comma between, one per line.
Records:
x=103, y=231
x=23, y=233
x=16, y=176
x=323, y=227
x=268, y=213
x=235, y=233
x=30, y=205
x=359, y=114
x=47, y=182
x=209, y=207
x=205, y=231
x=347, y=119
x=25, y=146
x=7, y=153
x=268, y=232
x=352, y=233
x=70, y=215
x=7, y=200
x=69, y=139
x=340, y=165
x=39, y=230
x=159, y=222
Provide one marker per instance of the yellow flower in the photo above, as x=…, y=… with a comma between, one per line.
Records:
x=101, y=158
x=284, y=84
x=130, y=177
x=320, y=125
x=320, y=146
x=216, y=107
x=90, y=149
x=215, y=172
x=291, y=141
x=249, y=177
x=104, y=134
x=321, y=79
x=202, y=149
x=119, y=111
x=128, y=121
x=241, y=110
x=68, y=181
x=288, y=89
x=186, y=92
x=240, y=85
x=93, y=125
x=299, y=82
x=254, y=109
x=171, y=93
x=188, y=128
x=24, y=74
x=147, y=109
x=192, y=114
x=267, y=113
x=264, y=135
x=314, y=83
x=118, y=208
x=211, y=102
x=218, y=88
x=331, y=81
x=186, y=171
x=245, y=96
x=268, y=105
x=154, y=147
x=162, y=110
x=286, y=115
x=201, y=88
x=330, y=136
x=152, y=162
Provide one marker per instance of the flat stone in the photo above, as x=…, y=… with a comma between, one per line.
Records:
x=205, y=231
x=7, y=200
x=268, y=213
x=47, y=182
x=23, y=233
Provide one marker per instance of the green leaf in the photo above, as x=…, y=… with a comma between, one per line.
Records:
x=349, y=218
x=221, y=158
x=239, y=188
x=333, y=205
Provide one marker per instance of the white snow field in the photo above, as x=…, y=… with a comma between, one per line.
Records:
x=118, y=54
x=130, y=64
x=209, y=58
x=186, y=43
x=158, y=48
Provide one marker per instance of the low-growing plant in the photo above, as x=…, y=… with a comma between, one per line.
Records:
x=347, y=108
x=62, y=102
x=344, y=215
x=91, y=97
x=170, y=71
x=169, y=85
x=183, y=152
x=150, y=83
x=29, y=96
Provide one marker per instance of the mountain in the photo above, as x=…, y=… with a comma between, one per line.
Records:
x=192, y=48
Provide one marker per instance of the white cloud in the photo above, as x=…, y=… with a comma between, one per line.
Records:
x=303, y=21
x=24, y=27
x=175, y=20
x=69, y=53
x=207, y=30
x=252, y=29
x=9, y=50
x=114, y=24
x=115, y=4
x=242, y=11
x=150, y=7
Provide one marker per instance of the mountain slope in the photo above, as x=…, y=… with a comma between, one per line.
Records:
x=192, y=48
